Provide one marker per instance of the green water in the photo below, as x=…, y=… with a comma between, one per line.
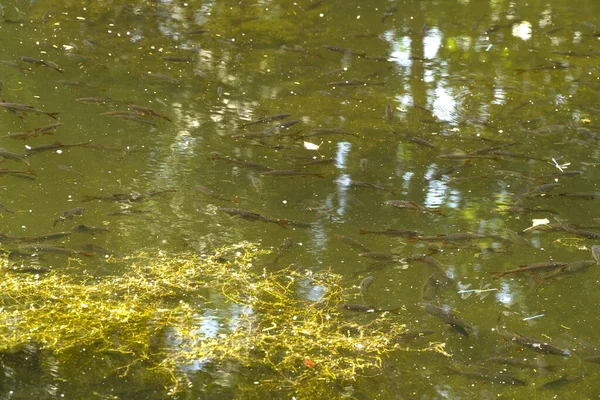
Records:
x=461, y=75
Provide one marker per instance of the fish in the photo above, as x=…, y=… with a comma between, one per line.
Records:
x=531, y=343
x=127, y=212
x=318, y=161
x=352, y=243
x=5, y=209
x=435, y=284
x=288, y=223
x=466, y=156
x=24, y=109
x=252, y=216
x=291, y=172
x=14, y=65
x=389, y=12
x=489, y=149
x=364, y=285
x=126, y=197
x=43, y=63
x=343, y=50
x=178, y=59
x=363, y=164
x=69, y=214
x=448, y=317
x=526, y=268
x=241, y=163
x=50, y=249
x=70, y=169
x=147, y=111
x=44, y=130
x=367, y=309
x=367, y=185
x=489, y=376
x=97, y=100
x=414, y=139
x=414, y=334
x=281, y=250
x=596, y=253
x=77, y=84
x=411, y=205
x=48, y=236
x=575, y=267
x=581, y=195
x=592, y=359
x=563, y=380
x=521, y=210
x=329, y=131
x=542, y=189
x=211, y=193
x=312, y=5
x=88, y=229
x=13, y=156
x=389, y=111
x=391, y=232
x=522, y=363
x=268, y=118
x=53, y=146
x=381, y=255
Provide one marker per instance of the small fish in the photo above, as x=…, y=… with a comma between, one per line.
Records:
x=211, y=193
x=48, y=236
x=69, y=214
x=596, y=253
x=367, y=185
x=97, y=100
x=531, y=343
x=489, y=376
x=435, y=284
x=44, y=130
x=414, y=139
x=179, y=59
x=312, y=5
x=50, y=249
x=539, y=190
x=448, y=317
x=13, y=156
x=5, y=209
x=367, y=309
x=329, y=131
x=241, y=163
x=88, y=229
x=364, y=285
x=522, y=363
x=526, y=268
x=575, y=267
x=363, y=163
x=414, y=334
x=147, y=111
x=391, y=232
x=76, y=84
x=70, y=169
x=389, y=12
x=291, y=172
x=563, y=380
x=592, y=359
x=268, y=118
x=411, y=205
x=389, y=111
x=52, y=146
x=127, y=197
x=284, y=248
x=43, y=63
x=352, y=243
x=465, y=156
x=381, y=255
x=581, y=195
x=343, y=50
x=20, y=109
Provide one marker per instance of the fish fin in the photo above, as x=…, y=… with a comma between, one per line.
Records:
x=318, y=174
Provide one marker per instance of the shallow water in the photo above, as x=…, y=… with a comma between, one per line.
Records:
x=461, y=75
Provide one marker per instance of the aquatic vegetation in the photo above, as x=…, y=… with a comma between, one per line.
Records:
x=153, y=312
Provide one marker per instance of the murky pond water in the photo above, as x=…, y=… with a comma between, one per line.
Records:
x=455, y=141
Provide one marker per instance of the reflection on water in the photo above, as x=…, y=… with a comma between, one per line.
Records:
x=497, y=100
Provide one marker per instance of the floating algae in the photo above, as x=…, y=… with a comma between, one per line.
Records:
x=274, y=330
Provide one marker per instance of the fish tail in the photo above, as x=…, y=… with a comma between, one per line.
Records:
x=52, y=114
x=318, y=174
x=363, y=232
